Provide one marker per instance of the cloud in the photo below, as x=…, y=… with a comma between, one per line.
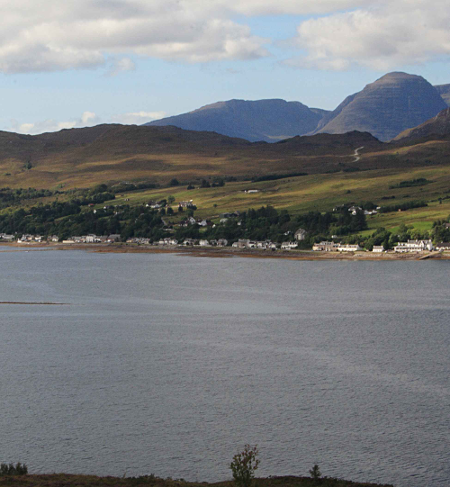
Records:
x=137, y=118
x=86, y=34
x=385, y=36
x=78, y=34
x=87, y=119
x=121, y=65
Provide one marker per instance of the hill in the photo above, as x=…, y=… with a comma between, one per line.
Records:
x=385, y=108
x=444, y=91
x=266, y=120
x=116, y=153
x=437, y=126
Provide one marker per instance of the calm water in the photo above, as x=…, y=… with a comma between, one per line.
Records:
x=169, y=364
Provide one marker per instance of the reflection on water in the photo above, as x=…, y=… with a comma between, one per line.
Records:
x=169, y=364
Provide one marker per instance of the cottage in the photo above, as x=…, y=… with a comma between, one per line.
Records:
x=203, y=243
x=378, y=248
x=414, y=246
x=349, y=248
x=300, y=234
x=442, y=246
x=289, y=245
x=189, y=242
x=325, y=246
x=222, y=242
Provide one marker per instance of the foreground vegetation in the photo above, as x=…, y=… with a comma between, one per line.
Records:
x=65, y=480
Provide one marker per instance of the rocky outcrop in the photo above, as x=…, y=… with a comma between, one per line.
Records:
x=385, y=108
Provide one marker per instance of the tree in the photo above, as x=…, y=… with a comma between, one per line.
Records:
x=244, y=465
x=315, y=473
x=174, y=182
x=170, y=199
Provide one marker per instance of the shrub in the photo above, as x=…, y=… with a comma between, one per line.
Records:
x=244, y=465
x=315, y=473
x=11, y=469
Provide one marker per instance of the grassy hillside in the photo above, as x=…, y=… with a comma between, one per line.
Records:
x=339, y=169
x=322, y=192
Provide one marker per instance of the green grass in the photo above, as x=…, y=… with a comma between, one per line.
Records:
x=63, y=480
x=321, y=192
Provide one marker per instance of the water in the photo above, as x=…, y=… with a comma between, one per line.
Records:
x=169, y=364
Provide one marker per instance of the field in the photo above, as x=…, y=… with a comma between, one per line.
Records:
x=321, y=192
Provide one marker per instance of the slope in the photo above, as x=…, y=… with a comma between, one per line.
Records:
x=267, y=120
x=385, y=108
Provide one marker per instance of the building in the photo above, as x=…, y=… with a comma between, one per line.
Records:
x=325, y=246
x=300, y=234
x=414, y=246
x=349, y=247
x=378, y=248
x=442, y=246
x=289, y=245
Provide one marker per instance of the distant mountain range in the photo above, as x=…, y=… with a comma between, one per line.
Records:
x=267, y=120
x=385, y=108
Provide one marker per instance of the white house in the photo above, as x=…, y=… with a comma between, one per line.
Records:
x=325, y=246
x=349, y=247
x=378, y=248
x=414, y=246
x=300, y=234
x=289, y=245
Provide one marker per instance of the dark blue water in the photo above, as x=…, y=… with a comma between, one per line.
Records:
x=169, y=364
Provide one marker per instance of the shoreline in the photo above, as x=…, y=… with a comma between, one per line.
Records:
x=226, y=252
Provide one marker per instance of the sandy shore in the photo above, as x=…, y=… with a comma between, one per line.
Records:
x=226, y=252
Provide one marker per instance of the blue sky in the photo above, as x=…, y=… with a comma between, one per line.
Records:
x=82, y=62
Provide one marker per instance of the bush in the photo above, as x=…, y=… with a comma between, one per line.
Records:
x=244, y=465
x=315, y=473
x=11, y=469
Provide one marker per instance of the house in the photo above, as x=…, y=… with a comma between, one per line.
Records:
x=114, y=237
x=189, y=242
x=289, y=245
x=222, y=242
x=300, y=234
x=168, y=241
x=242, y=243
x=186, y=204
x=349, y=247
x=6, y=237
x=91, y=238
x=414, y=246
x=378, y=248
x=203, y=243
x=325, y=246
x=442, y=246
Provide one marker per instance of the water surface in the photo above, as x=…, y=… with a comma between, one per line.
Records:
x=169, y=364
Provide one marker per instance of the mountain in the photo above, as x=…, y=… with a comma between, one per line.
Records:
x=438, y=125
x=385, y=108
x=444, y=91
x=261, y=120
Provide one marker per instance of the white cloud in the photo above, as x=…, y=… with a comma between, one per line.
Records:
x=85, y=33
x=137, y=118
x=382, y=37
x=87, y=119
x=80, y=34
x=121, y=65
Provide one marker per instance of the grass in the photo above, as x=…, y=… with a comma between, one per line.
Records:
x=320, y=192
x=64, y=480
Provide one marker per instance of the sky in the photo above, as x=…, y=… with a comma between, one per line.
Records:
x=77, y=63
